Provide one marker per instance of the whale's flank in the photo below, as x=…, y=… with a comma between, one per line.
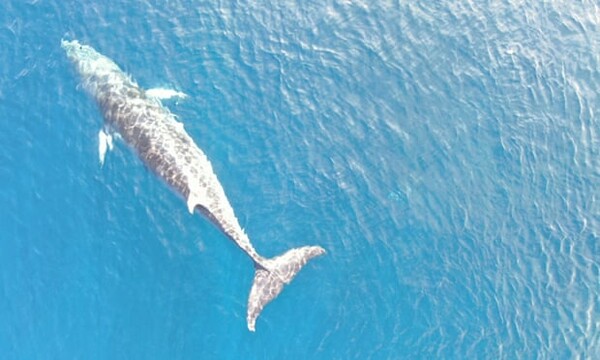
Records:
x=165, y=147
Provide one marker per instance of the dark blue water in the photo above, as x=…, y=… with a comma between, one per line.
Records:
x=446, y=154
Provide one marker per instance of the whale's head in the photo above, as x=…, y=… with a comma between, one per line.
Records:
x=93, y=67
x=76, y=51
x=81, y=55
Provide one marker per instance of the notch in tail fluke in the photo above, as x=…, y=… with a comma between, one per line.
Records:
x=270, y=278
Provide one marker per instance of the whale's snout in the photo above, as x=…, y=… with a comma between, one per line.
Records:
x=65, y=44
x=94, y=68
x=79, y=52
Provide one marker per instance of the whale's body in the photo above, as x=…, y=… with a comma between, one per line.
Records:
x=164, y=146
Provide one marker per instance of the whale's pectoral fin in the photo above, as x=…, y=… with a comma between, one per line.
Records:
x=164, y=94
x=270, y=280
x=105, y=142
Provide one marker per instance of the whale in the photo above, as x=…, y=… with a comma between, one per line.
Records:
x=146, y=125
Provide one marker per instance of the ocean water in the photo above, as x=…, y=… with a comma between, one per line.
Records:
x=446, y=154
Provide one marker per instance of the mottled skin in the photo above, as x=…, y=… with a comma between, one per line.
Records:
x=165, y=147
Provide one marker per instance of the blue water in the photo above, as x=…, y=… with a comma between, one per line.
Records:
x=446, y=154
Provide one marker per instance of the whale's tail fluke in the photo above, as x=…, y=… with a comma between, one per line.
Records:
x=271, y=276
